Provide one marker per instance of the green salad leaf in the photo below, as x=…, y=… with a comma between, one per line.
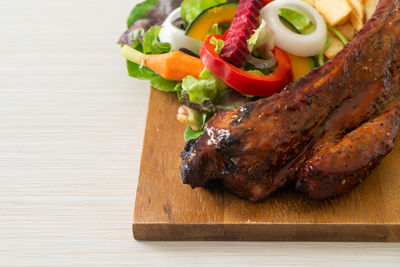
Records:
x=258, y=72
x=337, y=33
x=162, y=84
x=199, y=90
x=219, y=29
x=140, y=10
x=218, y=44
x=192, y=134
x=320, y=56
x=135, y=71
x=190, y=9
x=310, y=29
x=151, y=45
x=207, y=88
x=262, y=41
x=300, y=22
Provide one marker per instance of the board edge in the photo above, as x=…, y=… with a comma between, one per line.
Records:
x=267, y=232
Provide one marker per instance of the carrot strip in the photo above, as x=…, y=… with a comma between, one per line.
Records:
x=173, y=66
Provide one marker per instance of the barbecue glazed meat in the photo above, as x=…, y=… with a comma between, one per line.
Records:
x=325, y=133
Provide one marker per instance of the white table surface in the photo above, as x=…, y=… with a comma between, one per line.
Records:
x=71, y=130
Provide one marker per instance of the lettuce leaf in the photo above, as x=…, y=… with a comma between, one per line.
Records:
x=192, y=134
x=337, y=33
x=140, y=10
x=135, y=71
x=297, y=19
x=221, y=85
x=199, y=90
x=156, y=81
x=218, y=44
x=218, y=29
x=262, y=41
x=153, y=17
x=300, y=22
x=162, y=84
x=320, y=57
x=190, y=9
x=207, y=88
x=151, y=45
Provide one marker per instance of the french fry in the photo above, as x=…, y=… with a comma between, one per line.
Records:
x=370, y=6
x=335, y=12
x=347, y=30
x=335, y=47
x=357, y=14
x=310, y=2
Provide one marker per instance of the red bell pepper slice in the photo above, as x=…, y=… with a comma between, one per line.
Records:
x=243, y=81
x=266, y=2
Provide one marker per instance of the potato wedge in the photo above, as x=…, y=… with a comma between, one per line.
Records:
x=310, y=2
x=357, y=14
x=347, y=30
x=335, y=47
x=335, y=12
x=370, y=6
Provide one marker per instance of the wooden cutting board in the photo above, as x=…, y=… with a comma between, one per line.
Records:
x=166, y=209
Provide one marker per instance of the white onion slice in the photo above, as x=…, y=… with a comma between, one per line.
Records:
x=176, y=37
x=304, y=45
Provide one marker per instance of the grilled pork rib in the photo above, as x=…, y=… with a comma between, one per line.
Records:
x=325, y=133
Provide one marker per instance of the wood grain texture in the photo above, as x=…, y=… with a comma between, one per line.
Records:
x=166, y=209
x=71, y=132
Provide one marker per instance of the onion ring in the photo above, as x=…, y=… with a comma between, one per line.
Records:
x=304, y=45
x=176, y=37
